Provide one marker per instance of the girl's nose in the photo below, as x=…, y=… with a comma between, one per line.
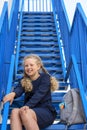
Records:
x=28, y=67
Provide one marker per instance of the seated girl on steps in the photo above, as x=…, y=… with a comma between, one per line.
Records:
x=37, y=112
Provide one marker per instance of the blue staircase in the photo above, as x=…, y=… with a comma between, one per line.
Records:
x=39, y=36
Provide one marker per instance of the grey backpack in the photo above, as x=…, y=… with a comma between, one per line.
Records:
x=72, y=111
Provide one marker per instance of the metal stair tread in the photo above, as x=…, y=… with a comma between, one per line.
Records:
x=40, y=37
x=25, y=48
x=50, y=55
x=37, y=13
x=47, y=62
x=27, y=45
x=27, y=33
x=61, y=126
x=58, y=126
x=37, y=17
x=34, y=34
x=40, y=27
x=40, y=43
x=38, y=20
x=38, y=24
x=39, y=30
x=55, y=56
x=42, y=57
x=51, y=50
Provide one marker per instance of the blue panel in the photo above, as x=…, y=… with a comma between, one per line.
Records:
x=3, y=37
x=7, y=41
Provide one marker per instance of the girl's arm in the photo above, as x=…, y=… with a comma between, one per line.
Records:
x=9, y=97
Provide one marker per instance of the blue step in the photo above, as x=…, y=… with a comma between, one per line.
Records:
x=44, y=54
x=38, y=13
x=45, y=29
x=39, y=49
x=40, y=43
x=32, y=15
x=59, y=127
x=63, y=127
x=39, y=38
x=55, y=56
x=38, y=20
x=34, y=33
x=26, y=24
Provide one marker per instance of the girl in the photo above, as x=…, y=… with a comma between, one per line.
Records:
x=37, y=112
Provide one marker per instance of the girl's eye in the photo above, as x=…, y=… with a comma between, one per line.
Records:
x=28, y=65
x=31, y=64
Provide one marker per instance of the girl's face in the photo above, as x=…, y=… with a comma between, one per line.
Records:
x=31, y=67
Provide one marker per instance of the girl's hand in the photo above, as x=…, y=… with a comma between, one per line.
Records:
x=24, y=108
x=9, y=97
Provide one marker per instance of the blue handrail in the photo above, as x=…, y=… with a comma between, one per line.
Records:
x=79, y=81
x=8, y=24
x=19, y=34
x=59, y=38
x=6, y=106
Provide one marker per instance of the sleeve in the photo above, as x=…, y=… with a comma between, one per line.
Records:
x=18, y=90
x=40, y=93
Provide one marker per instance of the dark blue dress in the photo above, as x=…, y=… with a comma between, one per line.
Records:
x=39, y=99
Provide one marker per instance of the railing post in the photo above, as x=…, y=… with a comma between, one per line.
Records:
x=6, y=106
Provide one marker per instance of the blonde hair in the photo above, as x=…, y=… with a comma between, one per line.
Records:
x=26, y=82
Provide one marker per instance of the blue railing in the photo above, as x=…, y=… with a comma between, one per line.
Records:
x=59, y=40
x=7, y=41
x=38, y=6
x=19, y=34
x=73, y=63
x=74, y=37
x=3, y=35
x=9, y=86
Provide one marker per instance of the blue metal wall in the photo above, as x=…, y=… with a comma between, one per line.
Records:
x=74, y=38
x=3, y=38
x=7, y=41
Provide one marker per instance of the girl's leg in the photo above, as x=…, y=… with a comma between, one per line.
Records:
x=29, y=119
x=16, y=123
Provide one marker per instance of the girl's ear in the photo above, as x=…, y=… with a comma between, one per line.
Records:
x=39, y=66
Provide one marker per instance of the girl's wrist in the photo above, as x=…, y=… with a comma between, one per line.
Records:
x=13, y=94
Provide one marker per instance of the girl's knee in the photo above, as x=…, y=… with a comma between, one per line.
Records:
x=27, y=114
x=15, y=112
x=24, y=112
